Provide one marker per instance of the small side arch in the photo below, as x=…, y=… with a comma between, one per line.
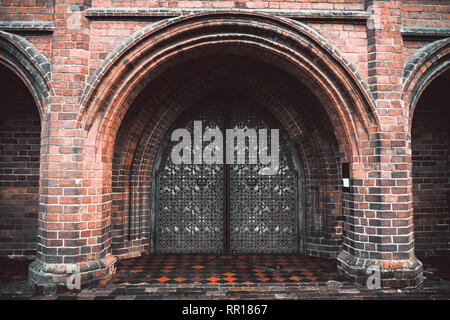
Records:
x=31, y=66
x=422, y=68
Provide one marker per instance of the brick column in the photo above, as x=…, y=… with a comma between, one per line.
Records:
x=379, y=225
x=71, y=233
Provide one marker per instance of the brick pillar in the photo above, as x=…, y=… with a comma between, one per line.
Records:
x=379, y=226
x=71, y=234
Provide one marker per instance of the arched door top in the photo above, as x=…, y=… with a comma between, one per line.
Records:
x=292, y=46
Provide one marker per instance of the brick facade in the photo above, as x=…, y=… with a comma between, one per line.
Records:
x=107, y=79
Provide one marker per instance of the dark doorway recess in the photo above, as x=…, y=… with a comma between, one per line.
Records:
x=256, y=90
x=430, y=137
x=20, y=133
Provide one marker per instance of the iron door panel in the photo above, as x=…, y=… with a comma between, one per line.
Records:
x=191, y=202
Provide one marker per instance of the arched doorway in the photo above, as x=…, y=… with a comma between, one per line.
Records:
x=430, y=138
x=224, y=207
x=306, y=95
x=134, y=96
x=311, y=201
x=20, y=131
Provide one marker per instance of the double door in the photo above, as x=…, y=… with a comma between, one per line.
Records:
x=216, y=208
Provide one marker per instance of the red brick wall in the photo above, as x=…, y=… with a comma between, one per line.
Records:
x=25, y=10
x=350, y=39
x=426, y=13
x=423, y=13
x=356, y=73
x=431, y=169
x=19, y=167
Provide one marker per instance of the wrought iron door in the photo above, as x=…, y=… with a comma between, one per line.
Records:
x=226, y=208
x=191, y=200
x=263, y=211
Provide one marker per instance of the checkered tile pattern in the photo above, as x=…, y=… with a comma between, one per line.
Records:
x=211, y=269
x=225, y=269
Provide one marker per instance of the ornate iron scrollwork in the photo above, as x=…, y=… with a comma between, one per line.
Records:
x=195, y=200
x=202, y=181
x=263, y=214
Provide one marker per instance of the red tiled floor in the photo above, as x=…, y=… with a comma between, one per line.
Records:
x=261, y=280
x=179, y=279
x=226, y=269
x=229, y=279
x=163, y=279
x=196, y=269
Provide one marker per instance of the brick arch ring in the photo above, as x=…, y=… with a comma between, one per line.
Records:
x=422, y=68
x=317, y=63
x=31, y=66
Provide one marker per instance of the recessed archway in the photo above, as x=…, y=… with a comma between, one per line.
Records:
x=346, y=112
x=20, y=131
x=25, y=93
x=172, y=93
x=426, y=80
x=430, y=144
